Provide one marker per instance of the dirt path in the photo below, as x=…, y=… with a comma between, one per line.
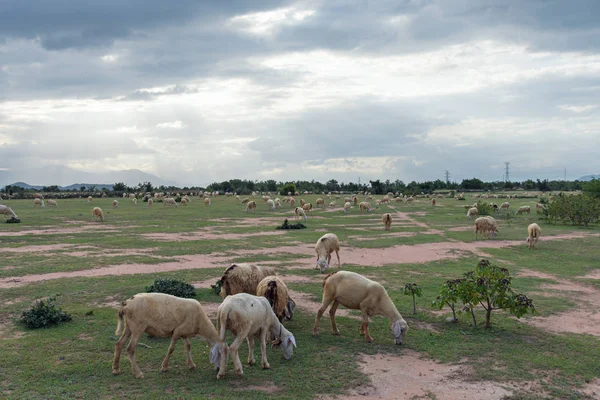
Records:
x=402, y=216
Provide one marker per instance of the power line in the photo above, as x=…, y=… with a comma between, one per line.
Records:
x=506, y=173
x=447, y=177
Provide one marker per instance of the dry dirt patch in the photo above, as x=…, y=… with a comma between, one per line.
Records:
x=199, y=235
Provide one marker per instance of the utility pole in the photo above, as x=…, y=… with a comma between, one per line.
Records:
x=565, y=174
x=506, y=173
x=447, y=177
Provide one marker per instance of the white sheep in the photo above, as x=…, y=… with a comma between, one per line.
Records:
x=365, y=206
x=207, y=201
x=320, y=202
x=533, y=231
x=505, y=205
x=347, y=207
x=472, y=211
x=247, y=317
x=115, y=203
x=184, y=202
x=270, y=205
x=277, y=203
x=327, y=244
x=387, y=221
x=332, y=204
x=150, y=202
x=98, y=214
x=356, y=292
x=486, y=225
x=38, y=202
x=299, y=212
x=134, y=201
x=89, y=199
x=163, y=315
x=433, y=202
x=524, y=209
x=52, y=203
x=169, y=201
x=251, y=205
x=6, y=210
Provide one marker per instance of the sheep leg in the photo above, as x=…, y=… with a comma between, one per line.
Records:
x=332, y=311
x=365, y=318
x=135, y=338
x=337, y=253
x=118, y=348
x=235, y=346
x=188, y=352
x=165, y=364
x=263, y=349
x=250, y=340
x=326, y=302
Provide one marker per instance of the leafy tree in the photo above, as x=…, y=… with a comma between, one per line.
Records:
x=376, y=187
x=592, y=188
x=472, y=184
x=82, y=189
x=412, y=289
x=449, y=295
x=290, y=187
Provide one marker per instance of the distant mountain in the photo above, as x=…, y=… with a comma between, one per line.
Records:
x=588, y=177
x=64, y=176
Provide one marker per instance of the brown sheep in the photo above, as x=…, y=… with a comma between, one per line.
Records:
x=387, y=221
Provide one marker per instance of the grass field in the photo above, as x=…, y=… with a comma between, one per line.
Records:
x=92, y=266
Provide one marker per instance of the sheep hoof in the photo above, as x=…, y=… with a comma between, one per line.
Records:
x=266, y=366
x=315, y=332
x=251, y=362
x=220, y=376
x=239, y=372
x=116, y=371
x=140, y=376
x=192, y=367
x=337, y=333
x=369, y=339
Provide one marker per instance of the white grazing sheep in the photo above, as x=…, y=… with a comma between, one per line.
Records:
x=207, y=201
x=163, y=315
x=307, y=207
x=486, y=225
x=150, y=201
x=184, y=202
x=365, y=206
x=472, y=211
x=38, y=202
x=132, y=195
x=299, y=212
x=506, y=205
x=302, y=202
x=534, y=231
x=98, y=214
x=89, y=199
x=524, y=209
x=245, y=201
x=270, y=205
x=356, y=292
x=134, y=201
x=6, y=210
x=347, y=207
x=327, y=244
x=169, y=201
x=115, y=203
x=276, y=291
x=433, y=202
x=52, y=203
x=320, y=202
x=277, y=202
x=387, y=221
x=251, y=205
x=247, y=317
x=332, y=204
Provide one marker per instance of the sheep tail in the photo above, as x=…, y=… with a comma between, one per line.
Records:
x=327, y=277
x=121, y=321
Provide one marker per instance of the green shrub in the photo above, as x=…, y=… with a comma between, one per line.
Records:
x=412, y=289
x=172, y=287
x=217, y=286
x=287, y=225
x=484, y=208
x=43, y=314
x=580, y=209
x=290, y=187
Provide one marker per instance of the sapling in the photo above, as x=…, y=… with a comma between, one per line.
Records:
x=412, y=289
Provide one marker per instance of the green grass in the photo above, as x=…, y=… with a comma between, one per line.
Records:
x=75, y=361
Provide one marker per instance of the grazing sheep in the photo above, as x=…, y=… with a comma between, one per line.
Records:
x=134, y=201
x=277, y=203
x=271, y=205
x=98, y=214
x=299, y=212
x=207, y=201
x=163, y=315
x=433, y=202
x=276, y=291
x=6, y=210
x=486, y=225
x=506, y=205
x=347, y=207
x=243, y=278
x=89, y=199
x=38, y=202
x=534, y=231
x=387, y=221
x=292, y=202
x=355, y=200
x=251, y=205
x=132, y=196
x=327, y=244
x=332, y=204
x=320, y=202
x=472, y=211
x=524, y=209
x=169, y=201
x=408, y=200
x=115, y=204
x=245, y=200
x=540, y=206
x=150, y=202
x=52, y=203
x=247, y=317
x=302, y=202
x=356, y=292
x=365, y=206
x=184, y=202
x=307, y=207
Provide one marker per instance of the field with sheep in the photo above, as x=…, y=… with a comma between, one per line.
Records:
x=90, y=267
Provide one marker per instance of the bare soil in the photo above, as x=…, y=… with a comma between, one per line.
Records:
x=199, y=235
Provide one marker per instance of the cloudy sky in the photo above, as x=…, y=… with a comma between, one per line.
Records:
x=202, y=91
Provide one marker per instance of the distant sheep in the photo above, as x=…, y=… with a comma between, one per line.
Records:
x=387, y=221
x=505, y=205
x=486, y=225
x=533, y=231
x=251, y=205
x=89, y=199
x=320, y=202
x=524, y=209
x=38, y=202
x=150, y=202
x=472, y=212
x=245, y=200
x=433, y=202
x=6, y=210
x=115, y=203
x=307, y=207
x=169, y=201
x=332, y=204
x=347, y=207
x=299, y=212
x=365, y=206
x=207, y=201
x=327, y=244
x=270, y=205
x=98, y=214
x=52, y=203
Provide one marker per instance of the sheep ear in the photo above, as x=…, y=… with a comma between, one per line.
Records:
x=293, y=340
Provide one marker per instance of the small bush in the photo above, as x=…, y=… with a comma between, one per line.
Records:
x=172, y=287
x=217, y=287
x=13, y=220
x=484, y=208
x=43, y=314
x=287, y=225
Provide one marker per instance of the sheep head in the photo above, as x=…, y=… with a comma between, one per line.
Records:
x=288, y=313
x=288, y=342
x=215, y=354
x=399, y=329
x=322, y=264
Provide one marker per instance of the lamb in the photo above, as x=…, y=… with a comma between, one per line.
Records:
x=276, y=291
x=472, y=211
x=243, y=278
x=270, y=204
x=327, y=244
x=320, y=202
x=98, y=214
x=299, y=212
x=251, y=205
x=365, y=206
x=6, y=210
x=486, y=225
x=115, y=204
x=534, y=231
x=524, y=209
x=207, y=201
x=247, y=317
x=164, y=315
x=356, y=292
x=38, y=202
x=52, y=203
x=387, y=221
x=347, y=207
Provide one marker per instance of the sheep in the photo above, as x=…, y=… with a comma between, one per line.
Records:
x=164, y=315
x=524, y=209
x=365, y=206
x=534, y=231
x=486, y=225
x=327, y=244
x=472, y=211
x=433, y=202
x=332, y=204
x=169, y=201
x=355, y=200
x=247, y=317
x=132, y=196
x=302, y=202
x=134, y=201
x=292, y=202
x=347, y=207
x=506, y=205
x=115, y=203
x=299, y=212
x=245, y=200
x=251, y=205
x=6, y=210
x=98, y=214
x=320, y=202
x=38, y=202
x=271, y=205
x=387, y=221
x=183, y=202
x=408, y=200
x=89, y=199
x=52, y=203
x=150, y=202
x=207, y=201
x=243, y=278
x=276, y=291
x=356, y=292
x=277, y=203
x=307, y=207
x=540, y=206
